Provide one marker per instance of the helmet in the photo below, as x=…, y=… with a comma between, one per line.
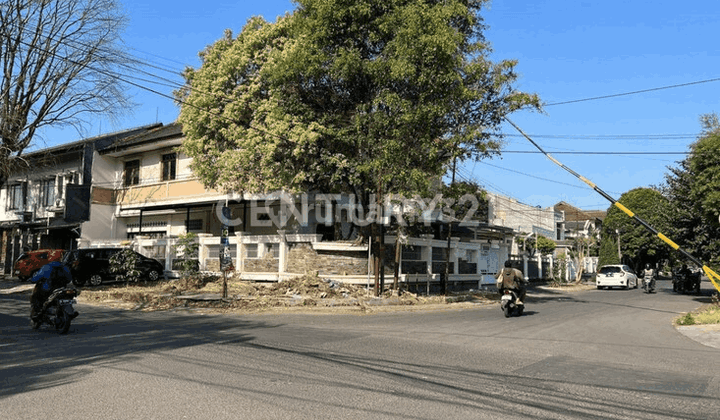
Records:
x=508, y=264
x=647, y=266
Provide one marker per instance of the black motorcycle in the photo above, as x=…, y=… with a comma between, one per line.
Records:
x=58, y=310
x=509, y=303
x=686, y=283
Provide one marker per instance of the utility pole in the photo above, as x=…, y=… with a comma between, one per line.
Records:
x=443, y=284
x=617, y=231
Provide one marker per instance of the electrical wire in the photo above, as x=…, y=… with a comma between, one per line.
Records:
x=595, y=98
x=609, y=137
x=597, y=153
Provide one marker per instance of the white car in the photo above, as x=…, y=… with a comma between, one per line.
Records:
x=618, y=275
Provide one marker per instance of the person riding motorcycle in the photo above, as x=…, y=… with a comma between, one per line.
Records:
x=49, y=278
x=512, y=278
x=685, y=270
x=648, y=273
x=690, y=281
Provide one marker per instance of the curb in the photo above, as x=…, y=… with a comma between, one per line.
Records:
x=708, y=334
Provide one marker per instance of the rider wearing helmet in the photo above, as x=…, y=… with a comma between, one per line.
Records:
x=648, y=271
x=51, y=276
x=685, y=270
x=511, y=278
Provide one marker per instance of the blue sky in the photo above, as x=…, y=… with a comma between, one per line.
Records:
x=566, y=51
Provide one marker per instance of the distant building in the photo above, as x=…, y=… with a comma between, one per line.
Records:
x=580, y=223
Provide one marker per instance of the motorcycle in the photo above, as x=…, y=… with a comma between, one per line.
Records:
x=649, y=283
x=58, y=310
x=686, y=283
x=508, y=303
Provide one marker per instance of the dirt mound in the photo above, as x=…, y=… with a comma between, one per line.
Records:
x=297, y=293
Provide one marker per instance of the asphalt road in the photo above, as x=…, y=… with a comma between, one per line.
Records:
x=594, y=354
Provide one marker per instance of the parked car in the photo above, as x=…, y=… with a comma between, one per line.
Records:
x=92, y=265
x=617, y=275
x=30, y=262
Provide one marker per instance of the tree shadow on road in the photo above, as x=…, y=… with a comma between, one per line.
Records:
x=38, y=359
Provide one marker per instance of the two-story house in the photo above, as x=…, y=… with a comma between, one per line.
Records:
x=46, y=203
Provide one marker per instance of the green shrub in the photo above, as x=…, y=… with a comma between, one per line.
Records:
x=187, y=247
x=123, y=264
x=686, y=319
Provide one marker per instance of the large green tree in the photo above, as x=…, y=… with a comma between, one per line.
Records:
x=693, y=188
x=368, y=97
x=359, y=96
x=638, y=245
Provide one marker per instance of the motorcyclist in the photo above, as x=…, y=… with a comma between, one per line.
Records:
x=50, y=277
x=690, y=280
x=648, y=274
x=512, y=278
x=685, y=270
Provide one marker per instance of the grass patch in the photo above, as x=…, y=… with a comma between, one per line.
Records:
x=709, y=314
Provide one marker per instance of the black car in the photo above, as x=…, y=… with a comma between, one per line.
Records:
x=92, y=265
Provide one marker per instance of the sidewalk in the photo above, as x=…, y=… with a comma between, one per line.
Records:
x=708, y=335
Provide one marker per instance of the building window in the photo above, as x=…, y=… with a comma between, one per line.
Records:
x=439, y=254
x=47, y=192
x=169, y=166
x=194, y=224
x=132, y=173
x=16, y=198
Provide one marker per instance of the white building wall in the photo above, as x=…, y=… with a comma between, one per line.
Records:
x=101, y=225
x=508, y=212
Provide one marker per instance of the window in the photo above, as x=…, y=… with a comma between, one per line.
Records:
x=169, y=166
x=132, y=173
x=439, y=254
x=47, y=192
x=194, y=224
x=16, y=198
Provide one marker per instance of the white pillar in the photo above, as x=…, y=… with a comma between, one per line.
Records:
x=454, y=258
x=539, y=264
x=203, y=250
x=240, y=252
x=282, y=258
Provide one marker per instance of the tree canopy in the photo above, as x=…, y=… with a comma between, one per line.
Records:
x=60, y=62
x=693, y=188
x=637, y=244
x=364, y=97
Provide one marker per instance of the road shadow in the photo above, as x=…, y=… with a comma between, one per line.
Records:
x=38, y=359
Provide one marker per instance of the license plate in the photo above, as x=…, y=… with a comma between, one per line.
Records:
x=506, y=297
x=67, y=302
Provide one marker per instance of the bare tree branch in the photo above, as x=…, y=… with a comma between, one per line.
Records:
x=60, y=62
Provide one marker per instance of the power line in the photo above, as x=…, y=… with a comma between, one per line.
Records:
x=533, y=176
x=609, y=137
x=599, y=153
x=633, y=92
